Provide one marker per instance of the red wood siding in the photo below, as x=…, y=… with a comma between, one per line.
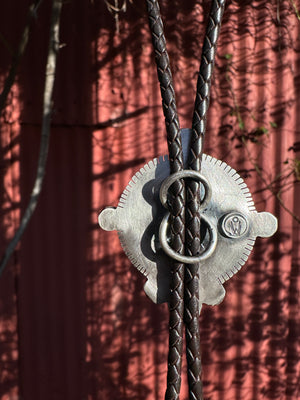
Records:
x=74, y=321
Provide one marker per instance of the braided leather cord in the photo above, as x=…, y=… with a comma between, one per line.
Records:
x=190, y=304
x=204, y=82
x=193, y=240
x=176, y=201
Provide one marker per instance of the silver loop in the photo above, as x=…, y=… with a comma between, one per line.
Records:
x=186, y=173
x=187, y=259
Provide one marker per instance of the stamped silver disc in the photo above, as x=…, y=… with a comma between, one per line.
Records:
x=230, y=213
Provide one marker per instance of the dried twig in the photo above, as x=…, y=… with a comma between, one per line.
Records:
x=45, y=132
x=32, y=13
x=270, y=186
x=295, y=9
x=115, y=9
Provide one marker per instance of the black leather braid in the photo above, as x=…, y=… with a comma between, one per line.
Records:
x=193, y=239
x=184, y=293
x=166, y=86
x=191, y=295
x=176, y=201
x=204, y=82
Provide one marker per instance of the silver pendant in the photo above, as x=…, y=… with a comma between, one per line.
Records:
x=231, y=225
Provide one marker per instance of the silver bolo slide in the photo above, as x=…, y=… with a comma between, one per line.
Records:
x=230, y=225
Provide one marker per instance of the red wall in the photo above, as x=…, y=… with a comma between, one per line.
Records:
x=74, y=320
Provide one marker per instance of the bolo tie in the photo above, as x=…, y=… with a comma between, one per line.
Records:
x=186, y=221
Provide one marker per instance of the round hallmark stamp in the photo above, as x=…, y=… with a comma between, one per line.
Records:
x=234, y=225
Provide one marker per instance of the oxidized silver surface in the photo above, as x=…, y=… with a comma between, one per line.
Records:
x=230, y=217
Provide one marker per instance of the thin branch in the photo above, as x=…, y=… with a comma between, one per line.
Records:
x=115, y=10
x=295, y=9
x=32, y=13
x=269, y=186
x=296, y=218
x=45, y=132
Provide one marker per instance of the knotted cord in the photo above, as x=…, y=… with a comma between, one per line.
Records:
x=184, y=291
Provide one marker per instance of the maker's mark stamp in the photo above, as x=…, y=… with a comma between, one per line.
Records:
x=234, y=225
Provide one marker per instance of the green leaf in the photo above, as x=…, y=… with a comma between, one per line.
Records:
x=228, y=56
x=241, y=124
